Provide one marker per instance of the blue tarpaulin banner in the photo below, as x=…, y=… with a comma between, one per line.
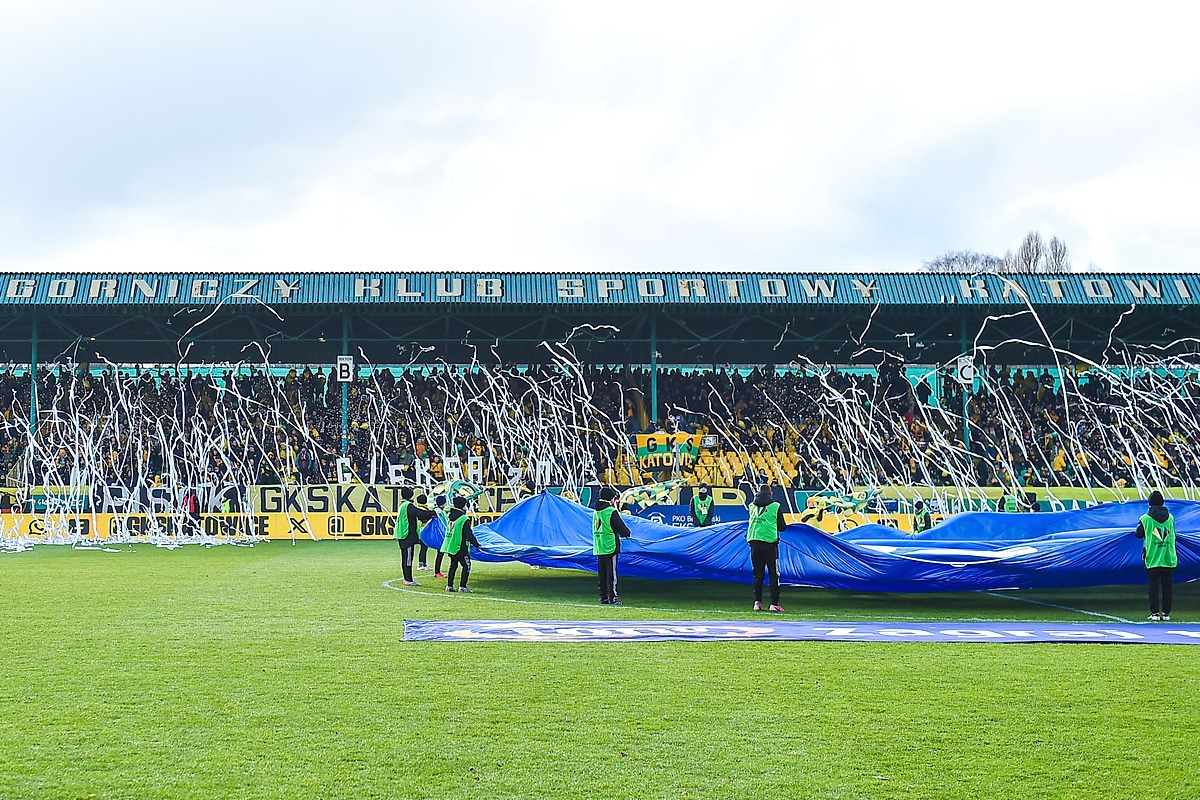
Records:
x=780, y=630
x=967, y=552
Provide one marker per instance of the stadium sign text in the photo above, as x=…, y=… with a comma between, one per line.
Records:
x=61, y=289
x=357, y=498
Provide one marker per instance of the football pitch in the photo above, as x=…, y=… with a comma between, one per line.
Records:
x=279, y=672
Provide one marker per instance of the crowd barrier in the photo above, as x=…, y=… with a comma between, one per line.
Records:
x=106, y=526
x=358, y=511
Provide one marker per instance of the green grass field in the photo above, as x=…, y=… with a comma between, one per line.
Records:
x=278, y=672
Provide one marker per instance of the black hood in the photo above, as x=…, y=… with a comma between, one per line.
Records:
x=1159, y=513
x=763, y=499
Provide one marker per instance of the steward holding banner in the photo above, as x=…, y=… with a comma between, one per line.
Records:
x=457, y=545
x=762, y=534
x=607, y=531
x=702, y=507
x=409, y=520
x=1159, y=554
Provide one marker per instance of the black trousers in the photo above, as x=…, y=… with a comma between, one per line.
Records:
x=406, y=558
x=424, y=560
x=765, y=558
x=606, y=569
x=1160, y=576
x=463, y=560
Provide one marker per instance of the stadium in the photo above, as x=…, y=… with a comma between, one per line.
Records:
x=935, y=375
x=224, y=459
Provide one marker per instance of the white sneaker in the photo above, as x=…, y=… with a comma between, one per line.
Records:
x=1165, y=618
x=1154, y=617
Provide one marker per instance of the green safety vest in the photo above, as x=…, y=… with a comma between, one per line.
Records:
x=604, y=538
x=702, y=507
x=1010, y=503
x=1158, y=548
x=763, y=525
x=402, y=520
x=454, y=536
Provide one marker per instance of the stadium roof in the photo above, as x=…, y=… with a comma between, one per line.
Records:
x=606, y=289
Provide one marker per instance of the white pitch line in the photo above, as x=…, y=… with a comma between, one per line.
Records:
x=475, y=596
x=1064, y=608
x=388, y=584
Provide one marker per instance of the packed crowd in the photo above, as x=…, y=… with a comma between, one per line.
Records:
x=569, y=424
x=1013, y=428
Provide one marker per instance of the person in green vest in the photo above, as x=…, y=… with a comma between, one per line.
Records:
x=762, y=533
x=409, y=519
x=457, y=544
x=1156, y=529
x=702, y=505
x=1011, y=503
x=922, y=519
x=608, y=529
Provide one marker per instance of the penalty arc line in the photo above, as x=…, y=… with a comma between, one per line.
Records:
x=1064, y=608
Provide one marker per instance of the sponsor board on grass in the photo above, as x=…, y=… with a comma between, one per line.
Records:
x=773, y=629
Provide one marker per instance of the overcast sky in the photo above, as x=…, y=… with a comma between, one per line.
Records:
x=293, y=135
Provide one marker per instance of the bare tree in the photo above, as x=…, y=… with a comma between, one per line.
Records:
x=1034, y=255
x=964, y=261
x=1031, y=254
x=1058, y=258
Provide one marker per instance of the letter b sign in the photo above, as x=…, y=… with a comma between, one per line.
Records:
x=343, y=370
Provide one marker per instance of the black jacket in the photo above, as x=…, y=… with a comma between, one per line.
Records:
x=417, y=516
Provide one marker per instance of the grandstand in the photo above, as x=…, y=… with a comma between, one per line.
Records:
x=818, y=382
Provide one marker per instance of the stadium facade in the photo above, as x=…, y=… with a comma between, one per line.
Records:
x=642, y=318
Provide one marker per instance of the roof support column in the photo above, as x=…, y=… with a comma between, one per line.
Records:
x=346, y=385
x=33, y=394
x=967, y=390
x=653, y=371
